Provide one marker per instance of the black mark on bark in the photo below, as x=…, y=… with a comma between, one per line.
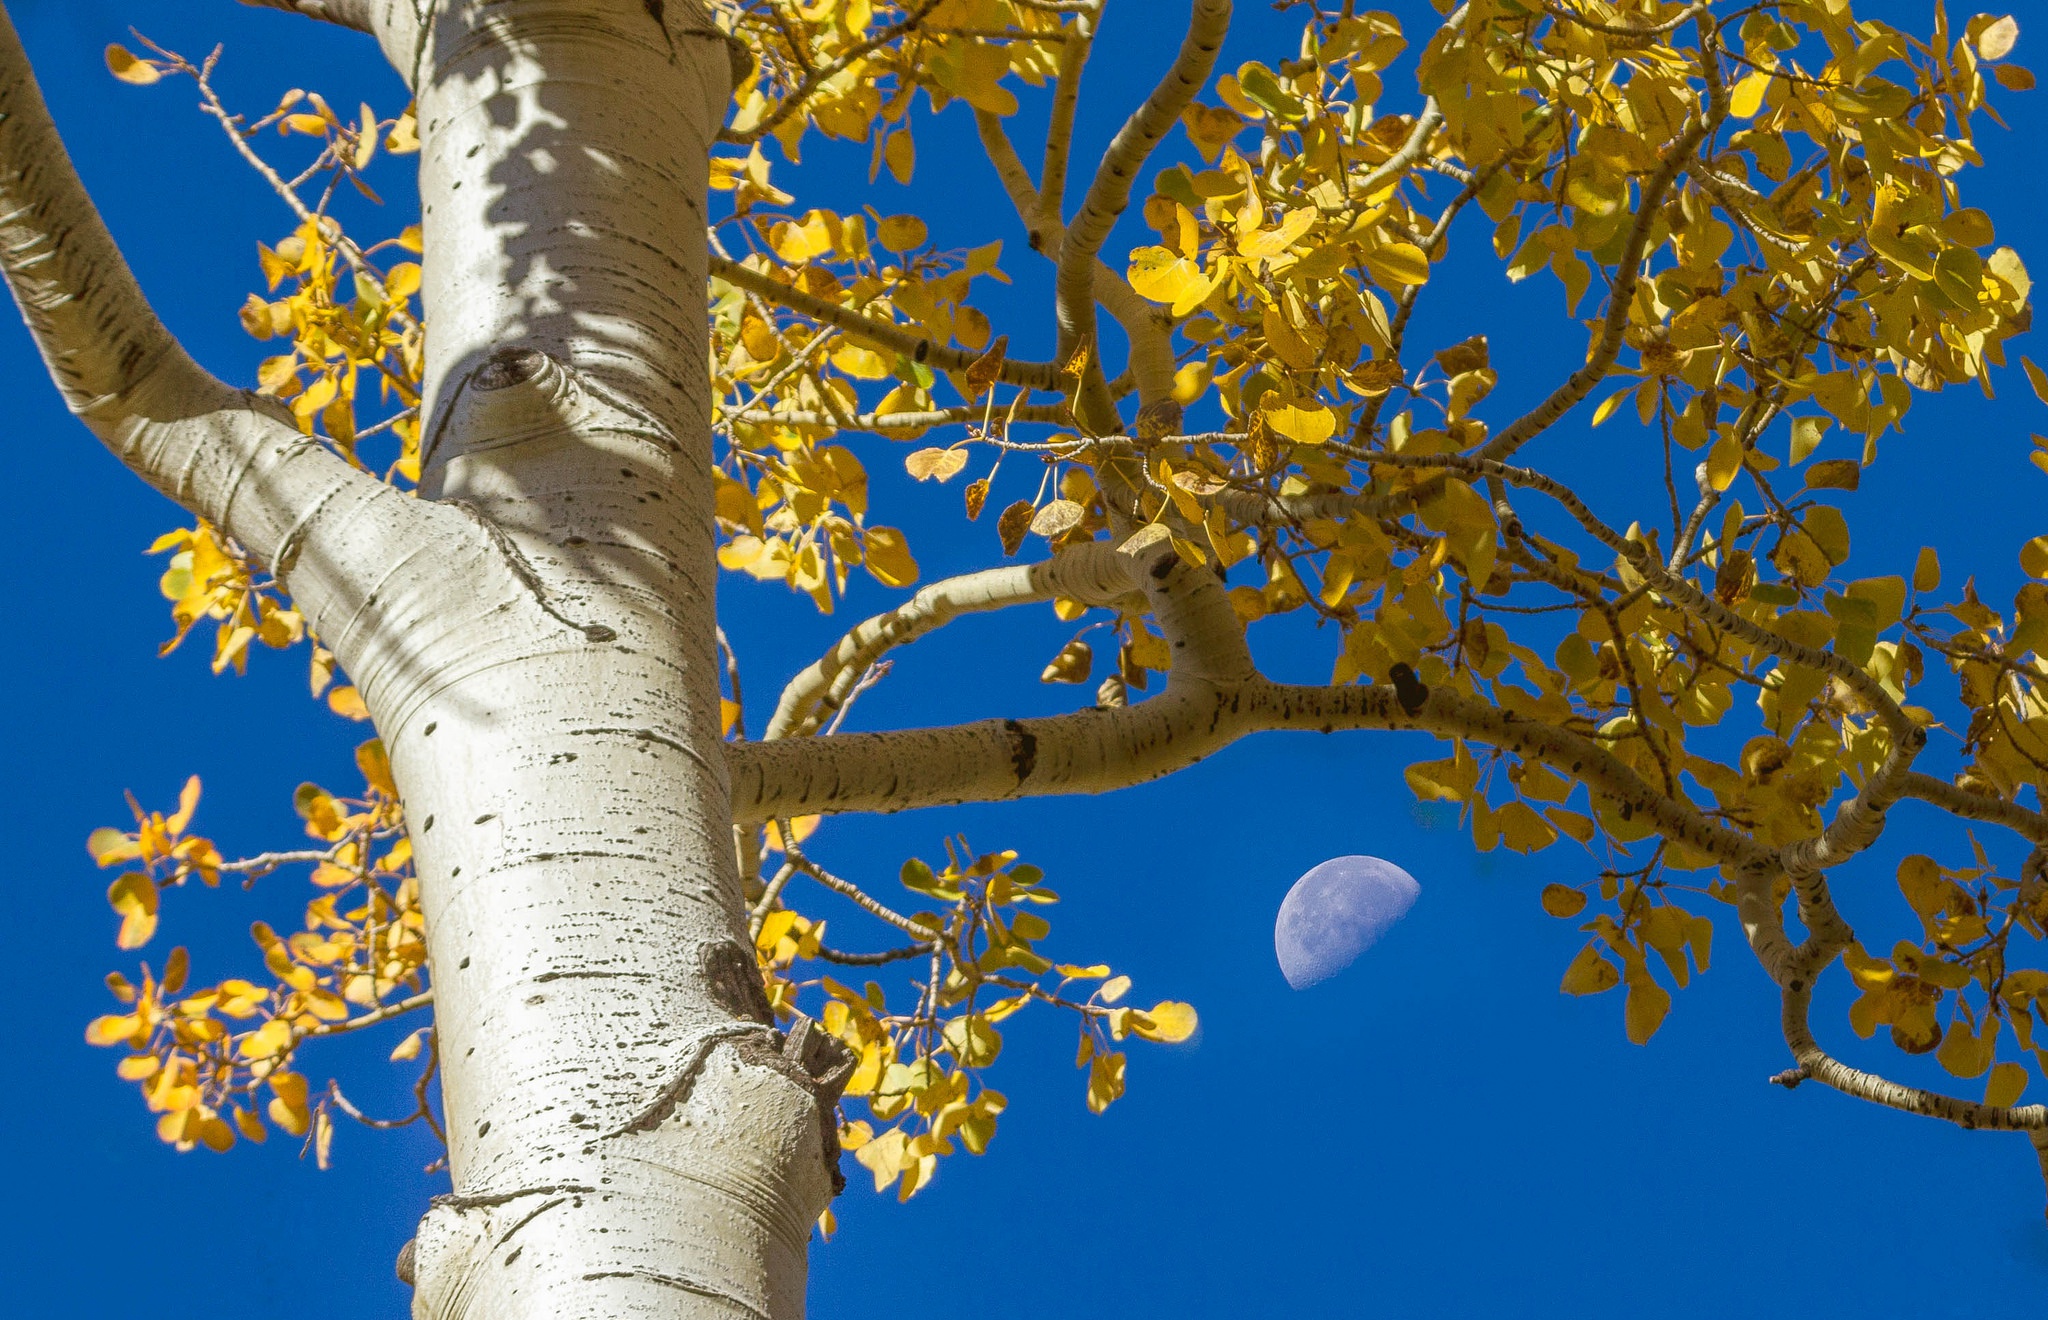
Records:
x=1023, y=749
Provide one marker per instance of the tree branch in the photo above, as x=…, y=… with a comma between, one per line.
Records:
x=1093, y=573
x=355, y=14
x=1824, y=1068
x=1628, y=273
x=1148, y=326
x=1031, y=375
x=1059, y=132
x=1110, y=193
x=226, y=455
x=818, y=77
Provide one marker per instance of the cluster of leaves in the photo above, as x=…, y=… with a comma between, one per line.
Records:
x=920, y=1047
x=215, y=1062
x=1771, y=201
x=793, y=505
x=852, y=68
x=343, y=314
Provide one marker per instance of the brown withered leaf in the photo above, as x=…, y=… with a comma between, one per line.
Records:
x=1158, y=420
x=1467, y=356
x=977, y=495
x=1258, y=443
x=1378, y=376
x=1197, y=482
x=982, y=372
x=1834, y=474
x=1013, y=524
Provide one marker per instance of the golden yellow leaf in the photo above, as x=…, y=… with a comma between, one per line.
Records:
x=376, y=767
x=1563, y=900
x=1169, y=1022
x=888, y=557
x=1590, y=973
x=1747, y=96
x=134, y=898
x=2008, y=1081
x=902, y=233
x=1309, y=424
x=347, y=703
x=1647, y=1005
x=129, y=69
x=1397, y=264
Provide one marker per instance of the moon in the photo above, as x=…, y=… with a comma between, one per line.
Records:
x=1335, y=913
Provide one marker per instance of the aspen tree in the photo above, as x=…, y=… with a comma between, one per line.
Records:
x=491, y=475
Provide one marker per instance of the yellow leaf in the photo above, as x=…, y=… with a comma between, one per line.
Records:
x=1164, y=277
x=2036, y=377
x=403, y=281
x=1398, y=263
x=2007, y=1083
x=935, y=464
x=1114, y=989
x=1648, y=1002
x=129, y=69
x=1169, y=1022
x=376, y=767
x=1590, y=973
x=902, y=233
x=888, y=557
x=1724, y=460
x=1996, y=39
x=1748, y=95
x=1072, y=665
x=116, y=1029
x=1310, y=425
x=134, y=897
x=347, y=703
x=1610, y=404
x=973, y=1041
x=1927, y=570
x=1105, y=1081
x=1057, y=518
x=1965, y=1053
x=1563, y=900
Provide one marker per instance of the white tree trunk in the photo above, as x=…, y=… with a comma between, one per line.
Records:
x=624, y=1137
x=535, y=640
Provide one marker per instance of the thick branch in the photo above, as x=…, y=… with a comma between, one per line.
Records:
x=224, y=454
x=1824, y=1068
x=1110, y=192
x=1059, y=133
x=1094, y=574
x=1148, y=326
x=1962, y=802
x=1031, y=375
x=355, y=14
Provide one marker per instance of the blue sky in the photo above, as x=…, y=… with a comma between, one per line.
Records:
x=1437, y=1132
